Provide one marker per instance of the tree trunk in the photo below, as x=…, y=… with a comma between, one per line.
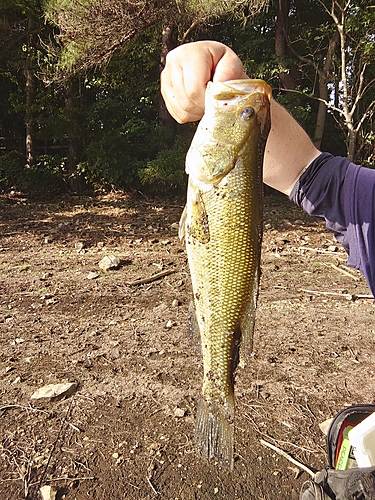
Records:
x=323, y=91
x=76, y=182
x=167, y=124
x=287, y=78
x=29, y=95
x=352, y=143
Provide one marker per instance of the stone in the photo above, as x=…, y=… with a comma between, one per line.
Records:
x=55, y=392
x=109, y=262
x=92, y=275
x=179, y=413
x=48, y=492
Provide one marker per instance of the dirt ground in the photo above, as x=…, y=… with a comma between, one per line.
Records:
x=127, y=431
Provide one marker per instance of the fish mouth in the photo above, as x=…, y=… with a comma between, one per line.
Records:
x=231, y=92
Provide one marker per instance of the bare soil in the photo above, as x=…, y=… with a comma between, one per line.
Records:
x=127, y=432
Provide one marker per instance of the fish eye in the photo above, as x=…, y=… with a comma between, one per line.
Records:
x=247, y=113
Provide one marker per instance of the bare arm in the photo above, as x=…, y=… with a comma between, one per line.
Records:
x=289, y=151
x=183, y=82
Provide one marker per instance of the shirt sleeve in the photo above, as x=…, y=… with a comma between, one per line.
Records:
x=343, y=194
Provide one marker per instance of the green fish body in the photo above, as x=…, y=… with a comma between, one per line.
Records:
x=222, y=227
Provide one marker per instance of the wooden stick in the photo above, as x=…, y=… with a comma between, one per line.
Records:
x=346, y=273
x=142, y=281
x=319, y=250
x=152, y=487
x=288, y=457
x=351, y=296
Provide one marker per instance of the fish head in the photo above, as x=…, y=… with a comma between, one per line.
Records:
x=234, y=111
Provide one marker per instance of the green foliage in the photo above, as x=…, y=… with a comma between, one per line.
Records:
x=12, y=165
x=214, y=9
x=105, y=122
x=110, y=161
x=47, y=176
x=167, y=169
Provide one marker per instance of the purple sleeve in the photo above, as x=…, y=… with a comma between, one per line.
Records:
x=344, y=195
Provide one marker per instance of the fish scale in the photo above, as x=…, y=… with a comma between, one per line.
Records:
x=222, y=226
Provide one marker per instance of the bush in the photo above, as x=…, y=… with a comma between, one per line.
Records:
x=12, y=168
x=167, y=169
x=45, y=176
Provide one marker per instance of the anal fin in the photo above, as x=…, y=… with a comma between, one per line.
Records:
x=248, y=321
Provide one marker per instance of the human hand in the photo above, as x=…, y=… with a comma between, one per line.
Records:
x=187, y=71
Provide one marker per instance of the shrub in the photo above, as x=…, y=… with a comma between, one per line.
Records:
x=167, y=169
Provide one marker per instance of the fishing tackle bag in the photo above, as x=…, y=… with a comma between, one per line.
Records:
x=354, y=483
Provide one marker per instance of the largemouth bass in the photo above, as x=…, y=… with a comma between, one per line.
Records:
x=222, y=227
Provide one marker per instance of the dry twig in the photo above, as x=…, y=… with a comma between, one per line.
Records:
x=351, y=296
x=344, y=272
x=142, y=281
x=288, y=457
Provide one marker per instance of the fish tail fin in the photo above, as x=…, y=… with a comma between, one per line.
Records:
x=214, y=432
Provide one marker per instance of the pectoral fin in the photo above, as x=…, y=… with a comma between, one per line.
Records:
x=197, y=226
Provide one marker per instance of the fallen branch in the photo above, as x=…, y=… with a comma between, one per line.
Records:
x=350, y=296
x=342, y=271
x=288, y=457
x=150, y=278
x=319, y=250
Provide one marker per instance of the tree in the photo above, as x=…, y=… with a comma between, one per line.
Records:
x=289, y=74
x=90, y=31
x=22, y=29
x=356, y=27
x=342, y=56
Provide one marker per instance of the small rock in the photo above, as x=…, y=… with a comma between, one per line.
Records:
x=333, y=248
x=170, y=324
x=48, y=239
x=109, y=262
x=100, y=245
x=281, y=241
x=54, y=392
x=92, y=275
x=79, y=245
x=48, y=492
x=175, y=303
x=45, y=276
x=51, y=301
x=324, y=426
x=17, y=341
x=179, y=412
x=175, y=226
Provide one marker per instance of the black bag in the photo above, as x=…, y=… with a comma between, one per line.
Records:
x=351, y=484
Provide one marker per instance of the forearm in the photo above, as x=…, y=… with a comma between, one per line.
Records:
x=289, y=151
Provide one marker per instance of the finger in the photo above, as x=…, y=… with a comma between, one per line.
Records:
x=229, y=67
x=178, y=103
